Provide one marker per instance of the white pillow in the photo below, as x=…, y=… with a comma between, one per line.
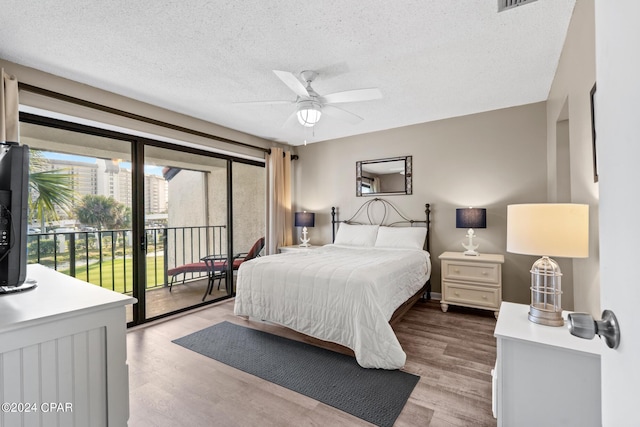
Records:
x=356, y=235
x=401, y=237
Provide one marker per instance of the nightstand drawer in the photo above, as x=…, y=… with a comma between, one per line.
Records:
x=471, y=271
x=471, y=295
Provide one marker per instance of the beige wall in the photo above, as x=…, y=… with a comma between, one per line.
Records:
x=187, y=192
x=569, y=104
x=249, y=204
x=199, y=198
x=486, y=160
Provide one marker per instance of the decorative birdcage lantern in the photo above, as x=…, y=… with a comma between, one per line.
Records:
x=546, y=293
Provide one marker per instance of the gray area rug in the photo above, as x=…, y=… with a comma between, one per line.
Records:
x=374, y=395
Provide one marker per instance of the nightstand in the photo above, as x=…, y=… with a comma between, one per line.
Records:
x=471, y=281
x=296, y=248
x=546, y=365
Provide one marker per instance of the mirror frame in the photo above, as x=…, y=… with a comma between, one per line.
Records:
x=408, y=169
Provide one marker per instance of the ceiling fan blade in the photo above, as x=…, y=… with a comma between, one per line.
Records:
x=355, y=95
x=292, y=82
x=291, y=120
x=341, y=114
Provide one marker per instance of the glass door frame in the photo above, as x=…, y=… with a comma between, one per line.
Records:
x=138, y=144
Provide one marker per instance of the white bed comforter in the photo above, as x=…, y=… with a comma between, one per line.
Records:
x=336, y=293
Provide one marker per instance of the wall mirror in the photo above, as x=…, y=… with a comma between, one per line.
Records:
x=383, y=176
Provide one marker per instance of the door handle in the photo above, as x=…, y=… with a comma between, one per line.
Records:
x=583, y=325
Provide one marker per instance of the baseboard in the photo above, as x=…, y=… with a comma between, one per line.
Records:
x=436, y=295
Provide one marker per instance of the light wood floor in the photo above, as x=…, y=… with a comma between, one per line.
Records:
x=452, y=352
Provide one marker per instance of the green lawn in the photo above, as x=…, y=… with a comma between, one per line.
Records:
x=111, y=269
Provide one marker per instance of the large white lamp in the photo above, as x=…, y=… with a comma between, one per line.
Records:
x=548, y=229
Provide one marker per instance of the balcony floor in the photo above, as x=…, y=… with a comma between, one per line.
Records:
x=161, y=301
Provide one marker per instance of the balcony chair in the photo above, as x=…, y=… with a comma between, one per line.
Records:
x=194, y=267
x=218, y=267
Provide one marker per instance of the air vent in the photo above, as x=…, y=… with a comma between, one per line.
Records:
x=510, y=4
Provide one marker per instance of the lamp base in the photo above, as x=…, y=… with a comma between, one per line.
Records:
x=304, y=240
x=546, y=293
x=470, y=247
x=544, y=317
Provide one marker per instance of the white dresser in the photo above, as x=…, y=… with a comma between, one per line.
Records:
x=63, y=354
x=544, y=376
x=471, y=281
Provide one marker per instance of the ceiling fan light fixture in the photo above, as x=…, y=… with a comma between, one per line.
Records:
x=309, y=114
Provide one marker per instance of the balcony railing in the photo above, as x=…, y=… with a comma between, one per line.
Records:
x=104, y=257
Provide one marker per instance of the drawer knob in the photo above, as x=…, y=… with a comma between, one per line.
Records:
x=457, y=293
x=484, y=273
x=456, y=270
x=484, y=297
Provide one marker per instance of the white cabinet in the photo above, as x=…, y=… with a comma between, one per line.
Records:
x=471, y=281
x=63, y=354
x=544, y=376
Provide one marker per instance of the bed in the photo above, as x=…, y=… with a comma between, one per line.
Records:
x=349, y=291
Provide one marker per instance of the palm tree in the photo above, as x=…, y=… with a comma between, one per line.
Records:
x=48, y=189
x=103, y=212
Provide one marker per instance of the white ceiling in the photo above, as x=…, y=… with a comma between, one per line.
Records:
x=432, y=59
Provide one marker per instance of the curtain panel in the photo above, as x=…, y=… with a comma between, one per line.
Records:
x=9, y=127
x=279, y=216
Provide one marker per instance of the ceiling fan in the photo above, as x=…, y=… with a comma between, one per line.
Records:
x=310, y=105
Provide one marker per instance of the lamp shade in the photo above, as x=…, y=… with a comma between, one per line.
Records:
x=549, y=229
x=471, y=218
x=305, y=219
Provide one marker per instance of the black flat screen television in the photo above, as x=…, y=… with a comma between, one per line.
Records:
x=14, y=184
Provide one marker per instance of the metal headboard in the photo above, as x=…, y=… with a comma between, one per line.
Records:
x=365, y=211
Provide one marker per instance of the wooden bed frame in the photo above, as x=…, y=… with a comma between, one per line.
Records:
x=389, y=216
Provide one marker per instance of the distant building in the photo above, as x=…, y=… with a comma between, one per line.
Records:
x=85, y=179
x=114, y=181
x=156, y=194
x=108, y=178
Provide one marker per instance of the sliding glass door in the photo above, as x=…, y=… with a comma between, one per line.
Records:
x=80, y=206
x=249, y=204
x=185, y=215
x=167, y=224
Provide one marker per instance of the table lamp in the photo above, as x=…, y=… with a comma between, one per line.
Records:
x=548, y=229
x=471, y=218
x=304, y=219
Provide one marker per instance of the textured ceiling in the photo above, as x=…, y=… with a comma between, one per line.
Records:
x=432, y=59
